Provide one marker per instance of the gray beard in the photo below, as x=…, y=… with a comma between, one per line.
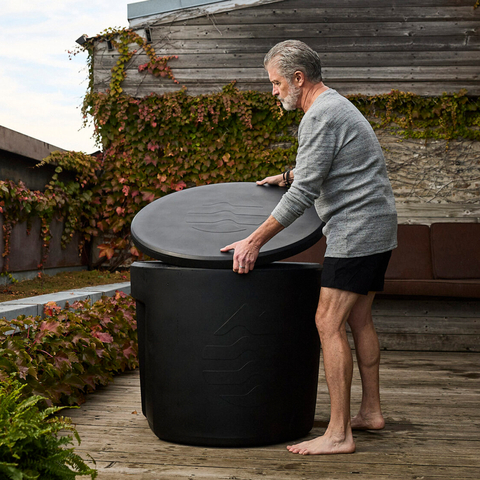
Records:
x=290, y=101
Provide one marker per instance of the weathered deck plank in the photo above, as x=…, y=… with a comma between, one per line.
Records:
x=430, y=401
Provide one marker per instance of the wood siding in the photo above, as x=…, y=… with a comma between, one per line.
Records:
x=367, y=46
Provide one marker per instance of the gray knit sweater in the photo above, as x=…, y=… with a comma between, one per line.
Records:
x=341, y=169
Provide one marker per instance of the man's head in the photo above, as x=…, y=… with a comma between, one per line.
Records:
x=291, y=56
x=283, y=63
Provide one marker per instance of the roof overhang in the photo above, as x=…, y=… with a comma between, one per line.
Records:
x=20, y=144
x=165, y=11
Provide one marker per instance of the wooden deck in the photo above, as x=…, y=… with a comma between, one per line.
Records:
x=431, y=401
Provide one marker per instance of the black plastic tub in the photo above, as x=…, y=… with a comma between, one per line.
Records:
x=228, y=360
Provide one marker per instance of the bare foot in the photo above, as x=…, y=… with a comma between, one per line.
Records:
x=324, y=445
x=368, y=422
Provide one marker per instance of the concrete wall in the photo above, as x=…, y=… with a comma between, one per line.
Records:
x=26, y=250
x=19, y=155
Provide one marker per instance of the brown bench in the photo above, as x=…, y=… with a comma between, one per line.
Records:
x=442, y=259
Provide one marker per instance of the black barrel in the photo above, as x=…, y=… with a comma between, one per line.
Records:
x=228, y=360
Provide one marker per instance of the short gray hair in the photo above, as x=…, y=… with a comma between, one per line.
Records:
x=292, y=55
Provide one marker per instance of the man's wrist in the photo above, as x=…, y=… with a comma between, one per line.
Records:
x=286, y=177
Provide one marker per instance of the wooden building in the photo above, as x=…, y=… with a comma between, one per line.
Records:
x=425, y=47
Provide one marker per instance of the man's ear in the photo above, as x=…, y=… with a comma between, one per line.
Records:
x=299, y=78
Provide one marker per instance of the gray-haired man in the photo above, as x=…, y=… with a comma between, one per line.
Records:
x=341, y=170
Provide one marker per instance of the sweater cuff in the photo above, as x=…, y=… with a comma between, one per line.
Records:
x=284, y=215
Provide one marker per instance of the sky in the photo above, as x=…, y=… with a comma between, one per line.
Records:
x=41, y=89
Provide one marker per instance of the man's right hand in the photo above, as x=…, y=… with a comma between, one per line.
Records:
x=275, y=180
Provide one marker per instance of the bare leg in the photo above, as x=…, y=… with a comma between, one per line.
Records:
x=367, y=350
x=333, y=311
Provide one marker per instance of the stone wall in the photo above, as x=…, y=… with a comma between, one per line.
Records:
x=433, y=171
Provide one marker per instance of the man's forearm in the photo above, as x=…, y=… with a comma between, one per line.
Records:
x=265, y=232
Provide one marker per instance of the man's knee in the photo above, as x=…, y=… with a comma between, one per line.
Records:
x=329, y=322
x=334, y=307
x=323, y=324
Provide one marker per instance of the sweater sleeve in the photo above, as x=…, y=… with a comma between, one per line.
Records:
x=314, y=159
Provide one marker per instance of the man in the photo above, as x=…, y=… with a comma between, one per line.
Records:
x=340, y=168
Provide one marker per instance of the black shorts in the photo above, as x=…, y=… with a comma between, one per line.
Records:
x=359, y=274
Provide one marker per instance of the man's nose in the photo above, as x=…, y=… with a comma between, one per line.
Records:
x=275, y=90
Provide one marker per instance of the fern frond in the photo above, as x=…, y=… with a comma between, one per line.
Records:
x=30, y=445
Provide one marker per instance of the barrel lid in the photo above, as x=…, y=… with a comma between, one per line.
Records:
x=188, y=228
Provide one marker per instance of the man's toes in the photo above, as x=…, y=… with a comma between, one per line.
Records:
x=293, y=449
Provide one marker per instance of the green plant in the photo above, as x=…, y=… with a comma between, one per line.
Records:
x=9, y=277
x=444, y=117
x=30, y=445
x=68, y=202
x=72, y=350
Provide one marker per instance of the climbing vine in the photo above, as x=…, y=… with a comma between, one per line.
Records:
x=163, y=143
x=160, y=144
x=444, y=117
x=69, y=202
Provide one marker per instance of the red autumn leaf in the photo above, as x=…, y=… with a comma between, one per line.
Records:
x=89, y=380
x=148, y=196
x=51, y=326
x=104, y=337
x=60, y=358
x=106, y=251
x=50, y=308
x=149, y=159
x=180, y=186
x=105, y=320
x=77, y=338
x=129, y=352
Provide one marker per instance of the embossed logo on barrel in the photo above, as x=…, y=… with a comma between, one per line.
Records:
x=240, y=357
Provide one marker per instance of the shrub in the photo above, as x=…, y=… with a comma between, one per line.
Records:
x=72, y=350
